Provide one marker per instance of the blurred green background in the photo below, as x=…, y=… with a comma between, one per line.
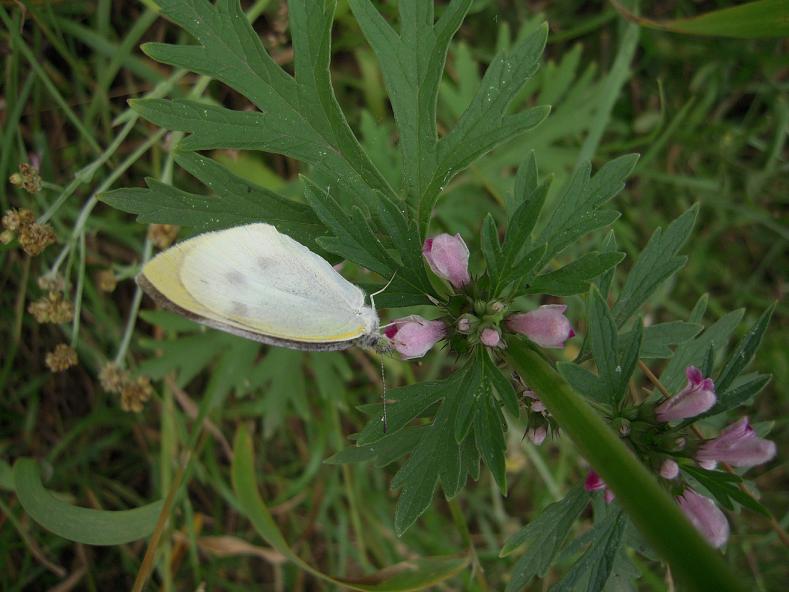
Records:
x=709, y=116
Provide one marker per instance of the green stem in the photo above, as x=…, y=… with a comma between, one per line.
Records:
x=693, y=561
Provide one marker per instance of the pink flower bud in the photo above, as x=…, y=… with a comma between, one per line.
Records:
x=609, y=496
x=413, y=336
x=697, y=397
x=538, y=406
x=669, y=469
x=593, y=482
x=705, y=516
x=447, y=256
x=537, y=435
x=546, y=326
x=737, y=445
x=490, y=337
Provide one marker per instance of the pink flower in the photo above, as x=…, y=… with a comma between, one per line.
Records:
x=447, y=256
x=669, y=469
x=737, y=445
x=705, y=516
x=546, y=326
x=413, y=336
x=537, y=435
x=490, y=337
x=697, y=397
x=593, y=482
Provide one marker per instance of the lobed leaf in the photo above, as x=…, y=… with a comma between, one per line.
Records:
x=656, y=263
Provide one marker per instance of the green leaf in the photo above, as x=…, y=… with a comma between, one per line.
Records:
x=694, y=563
x=503, y=387
x=489, y=429
x=745, y=351
x=742, y=389
x=659, y=338
x=575, y=277
x=578, y=205
x=385, y=450
x=615, y=358
x=750, y=20
x=656, y=263
x=593, y=569
x=543, y=537
x=436, y=459
x=693, y=352
x=412, y=64
x=235, y=202
x=487, y=122
x=82, y=525
x=297, y=116
x=724, y=487
x=408, y=575
x=491, y=247
x=585, y=382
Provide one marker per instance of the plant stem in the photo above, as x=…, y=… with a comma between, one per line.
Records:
x=693, y=561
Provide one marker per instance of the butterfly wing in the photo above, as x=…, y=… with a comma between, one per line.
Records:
x=258, y=283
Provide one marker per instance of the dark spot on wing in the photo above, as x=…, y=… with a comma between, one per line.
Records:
x=239, y=309
x=236, y=278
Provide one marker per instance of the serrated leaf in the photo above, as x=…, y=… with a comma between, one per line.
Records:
x=82, y=525
x=235, y=202
x=385, y=450
x=693, y=352
x=474, y=388
x=742, y=389
x=297, y=116
x=604, y=281
x=412, y=64
x=659, y=338
x=489, y=437
x=577, y=206
x=491, y=247
x=656, y=263
x=503, y=387
x=593, y=569
x=604, y=343
x=486, y=122
x=438, y=458
x=543, y=536
x=575, y=277
x=745, y=351
x=585, y=382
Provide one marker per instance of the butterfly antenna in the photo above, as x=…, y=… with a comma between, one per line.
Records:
x=374, y=294
x=383, y=395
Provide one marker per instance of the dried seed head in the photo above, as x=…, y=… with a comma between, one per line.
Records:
x=106, y=280
x=52, y=282
x=135, y=394
x=14, y=220
x=113, y=378
x=61, y=358
x=53, y=308
x=6, y=237
x=34, y=238
x=162, y=235
x=27, y=178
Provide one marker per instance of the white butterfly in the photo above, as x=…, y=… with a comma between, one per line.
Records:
x=260, y=284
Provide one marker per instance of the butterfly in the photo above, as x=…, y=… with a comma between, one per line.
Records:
x=258, y=283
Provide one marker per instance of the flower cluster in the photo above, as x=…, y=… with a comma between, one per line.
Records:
x=61, y=358
x=27, y=178
x=134, y=392
x=478, y=322
x=52, y=308
x=33, y=237
x=667, y=448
